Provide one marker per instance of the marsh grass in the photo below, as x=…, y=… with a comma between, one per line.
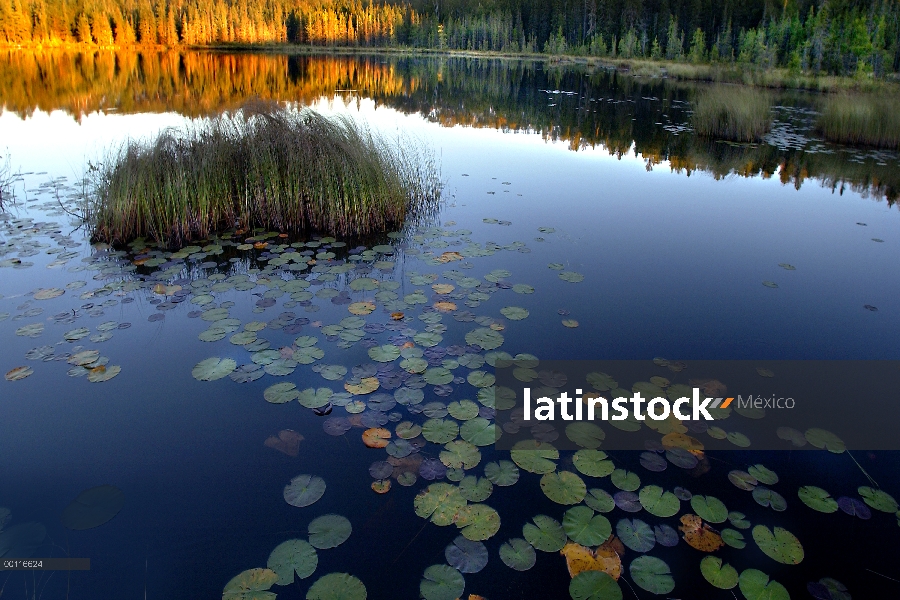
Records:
x=261, y=166
x=7, y=180
x=732, y=113
x=861, y=119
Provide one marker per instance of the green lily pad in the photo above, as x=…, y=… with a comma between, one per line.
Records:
x=571, y=276
x=459, y=454
x=652, y=574
x=778, y=544
x=593, y=463
x=439, y=502
x=600, y=500
x=438, y=376
x=478, y=522
x=304, y=490
x=442, y=582
x=333, y=372
x=585, y=434
x=766, y=497
x=878, y=499
x=281, y=393
x=545, y=534
x=737, y=519
x=463, y=410
x=337, y=586
x=594, y=585
x=534, y=456
x=329, y=531
x=290, y=557
x=440, y=431
x=636, y=534
x=428, y=339
x=755, y=585
x=475, y=489
x=709, y=508
x=817, y=499
x=563, y=487
x=252, y=584
x=659, y=502
x=586, y=528
x=315, y=397
x=763, y=475
x=517, y=554
x=213, y=368
x=479, y=431
x=485, y=338
x=502, y=473
x=733, y=538
x=481, y=379
x=363, y=284
x=721, y=576
x=514, y=313
x=821, y=438
x=627, y=481
x=384, y=354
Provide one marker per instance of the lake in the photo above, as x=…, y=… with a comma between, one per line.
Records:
x=579, y=194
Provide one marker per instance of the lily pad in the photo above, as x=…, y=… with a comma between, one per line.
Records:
x=502, y=473
x=329, y=531
x=652, y=574
x=820, y=438
x=594, y=585
x=585, y=527
x=213, y=368
x=755, y=585
x=709, y=508
x=478, y=522
x=625, y=480
x=778, y=544
x=439, y=502
x=763, y=475
x=440, y=431
x=485, y=338
x=636, y=534
x=337, y=586
x=659, y=502
x=466, y=556
x=563, y=487
x=304, y=490
x=252, y=584
x=724, y=577
x=93, y=507
x=545, y=534
x=441, y=582
x=479, y=431
x=878, y=499
x=475, y=489
x=517, y=554
x=290, y=557
x=534, y=457
x=594, y=463
x=600, y=500
x=281, y=393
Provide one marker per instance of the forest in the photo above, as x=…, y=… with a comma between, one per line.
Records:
x=835, y=37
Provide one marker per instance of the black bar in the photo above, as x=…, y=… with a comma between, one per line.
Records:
x=45, y=564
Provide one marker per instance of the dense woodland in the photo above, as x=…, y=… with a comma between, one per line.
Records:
x=844, y=37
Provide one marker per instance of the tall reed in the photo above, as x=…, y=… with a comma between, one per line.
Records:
x=732, y=113
x=872, y=120
x=261, y=166
x=7, y=180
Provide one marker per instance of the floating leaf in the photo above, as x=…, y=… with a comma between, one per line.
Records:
x=502, y=473
x=315, y=397
x=821, y=438
x=329, y=531
x=665, y=535
x=733, y=538
x=594, y=585
x=636, y=534
x=755, y=585
x=93, y=507
x=376, y=437
x=658, y=502
x=778, y=544
x=251, y=585
x=721, y=576
x=337, y=586
x=440, y=502
x=280, y=393
x=385, y=353
x=878, y=499
x=477, y=522
x=742, y=480
x=593, y=463
x=440, y=431
x=304, y=490
x=763, y=475
x=581, y=558
x=625, y=480
x=18, y=373
x=585, y=434
x=290, y=557
x=652, y=574
x=571, y=276
x=699, y=535
x=475, y=489
x=586, y=528
x=599, y=500
x=213, y=368
x=563, y=487
x=514, y=313
x=485, y=338
x=545, y=534
x=709, y=508
x=766, y=497
x=517, y=554
x=479, y=431
x=441, y=582
x=466, y=556
x=534, y=457
x=460, y=454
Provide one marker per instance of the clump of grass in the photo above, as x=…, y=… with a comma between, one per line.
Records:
x=732, y=113
x=7, y=180
x=261, y=166
x=861, y=119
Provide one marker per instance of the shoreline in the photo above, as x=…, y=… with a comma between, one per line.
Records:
x=730, y=73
